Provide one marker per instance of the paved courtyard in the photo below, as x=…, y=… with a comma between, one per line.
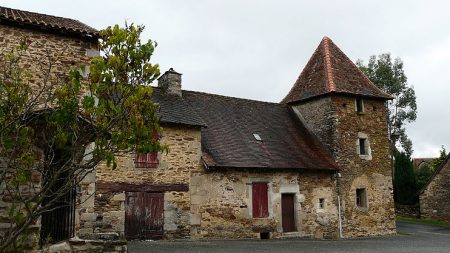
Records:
x=411, y=238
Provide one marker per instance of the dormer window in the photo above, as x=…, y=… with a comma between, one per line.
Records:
x=359, y=105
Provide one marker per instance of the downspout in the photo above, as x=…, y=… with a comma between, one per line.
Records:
x=336, y=177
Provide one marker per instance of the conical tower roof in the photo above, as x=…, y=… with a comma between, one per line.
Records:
x=328, y=71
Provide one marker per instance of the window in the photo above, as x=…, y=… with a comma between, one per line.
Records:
x=359, y=105
x=321, y=203
x=146, y=160
x=362, y=146
x=260, y=205
x=361, y=198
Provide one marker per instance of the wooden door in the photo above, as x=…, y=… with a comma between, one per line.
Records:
x=288, y=212
x=144, y=215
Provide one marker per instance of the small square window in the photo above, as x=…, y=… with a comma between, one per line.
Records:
x=321, y=203
x=362, y=146
x=359, y=105
x=361, y=198
x=146, y=160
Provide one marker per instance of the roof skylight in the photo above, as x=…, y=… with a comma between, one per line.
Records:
x=257, y=137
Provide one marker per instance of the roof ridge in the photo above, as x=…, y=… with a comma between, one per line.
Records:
x=330, y=85
x=38, y=13
x=46, y=21
x=224, y=96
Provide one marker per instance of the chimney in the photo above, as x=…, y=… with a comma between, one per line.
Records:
x=170, y=82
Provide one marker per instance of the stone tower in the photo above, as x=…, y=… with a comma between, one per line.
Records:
x=347, y=113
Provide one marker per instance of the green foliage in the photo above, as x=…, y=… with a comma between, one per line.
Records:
x=423, y=174
x=436, y=163
x=404, y=181
x=45, y=129
x=389, y=76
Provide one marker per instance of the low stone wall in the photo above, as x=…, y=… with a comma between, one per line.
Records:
x=412, y=211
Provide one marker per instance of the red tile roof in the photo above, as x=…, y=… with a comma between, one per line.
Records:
x=46, y=22
x=328, y=71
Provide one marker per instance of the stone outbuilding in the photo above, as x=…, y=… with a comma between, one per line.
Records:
x=434, y=198
x=314, y=165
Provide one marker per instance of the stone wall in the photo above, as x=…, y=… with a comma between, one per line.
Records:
x=221, y=204
x=43, y=48
x=412, y=211
x=104, y=212
x=435, y=199
x=371, y=172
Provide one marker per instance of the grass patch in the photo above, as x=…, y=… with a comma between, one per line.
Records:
x=425, y=222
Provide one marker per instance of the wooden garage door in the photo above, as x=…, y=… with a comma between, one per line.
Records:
x=144, y=215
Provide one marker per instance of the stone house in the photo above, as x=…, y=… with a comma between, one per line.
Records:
x=314, y=165
x=434, y=198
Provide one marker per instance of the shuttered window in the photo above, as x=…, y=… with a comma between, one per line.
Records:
x=260, y=201
x=146, y=160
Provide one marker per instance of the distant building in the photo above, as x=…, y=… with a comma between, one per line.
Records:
x=434, y=197
x=422, y=162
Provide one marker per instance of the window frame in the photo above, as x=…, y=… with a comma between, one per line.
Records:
x=151, y=160
x=363, y=146
x=359, y=105
x=361, y=201
x=321, y=203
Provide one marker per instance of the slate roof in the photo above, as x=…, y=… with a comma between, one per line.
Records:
x=228, y=141
x=46, y=22
x=328, y=71
x=174, y=109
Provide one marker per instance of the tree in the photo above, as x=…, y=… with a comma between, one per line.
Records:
x=389, y=76
x=404, y=181
x=437, y=162
x=53, y=135
x=423, y=174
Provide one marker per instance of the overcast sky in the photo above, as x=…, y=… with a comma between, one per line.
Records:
x=256, y=49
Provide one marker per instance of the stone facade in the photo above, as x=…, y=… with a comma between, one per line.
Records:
x=61, y=51
x=102, y=210
x=221, y=204
x=335, y=121
x=435, y=197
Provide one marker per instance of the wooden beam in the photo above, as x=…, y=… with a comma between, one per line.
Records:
x=120, y=186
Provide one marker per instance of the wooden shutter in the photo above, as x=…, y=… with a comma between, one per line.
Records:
x=146, y=160
x=260, y=201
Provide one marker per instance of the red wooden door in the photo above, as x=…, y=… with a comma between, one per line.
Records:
x=144, y=215
x=287, y=212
